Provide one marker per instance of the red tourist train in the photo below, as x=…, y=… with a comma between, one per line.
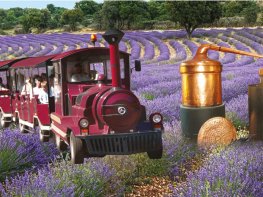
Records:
x=86, y=102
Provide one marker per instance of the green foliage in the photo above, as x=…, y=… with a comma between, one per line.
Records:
x=247, y=9
x=133, y=15
x=34, y=18
x=232, y=8
x=9, y=162
x=87, y=7
x=51, y=8
x=157, y=10
x=2, y=32
x=148, y=96
x=123, y=14
x=192, y=14
x=250, y=13
x=260, y=18
x=89, y=179
x=237, y=122
x=235, y=8
x=235, y=21
x=72, y=17
x=151, y=167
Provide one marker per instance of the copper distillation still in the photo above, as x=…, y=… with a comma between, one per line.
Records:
x=202, y=89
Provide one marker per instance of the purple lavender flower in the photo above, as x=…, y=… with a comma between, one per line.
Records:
x=234, y=171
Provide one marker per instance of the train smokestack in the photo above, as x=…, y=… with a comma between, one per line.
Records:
x=113, y=37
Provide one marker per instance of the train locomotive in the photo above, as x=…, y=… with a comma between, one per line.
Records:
x=91, y=108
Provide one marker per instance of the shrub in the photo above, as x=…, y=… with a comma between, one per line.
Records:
x=235, y=21
x=234, y=171
x=19, y=152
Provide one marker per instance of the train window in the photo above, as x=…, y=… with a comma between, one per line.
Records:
x=122, y=72
x=78, y=72
x=3, y=77
x=97, y=68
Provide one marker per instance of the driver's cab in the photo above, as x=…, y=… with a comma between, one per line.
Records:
x=88, y=70
x=79, y=70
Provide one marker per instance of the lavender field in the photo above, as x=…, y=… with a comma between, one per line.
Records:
x=30, y=168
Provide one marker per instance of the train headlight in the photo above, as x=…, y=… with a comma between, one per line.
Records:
x=83, y=123
x=156, y=118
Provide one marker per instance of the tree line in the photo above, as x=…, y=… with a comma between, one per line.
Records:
x=130, y=15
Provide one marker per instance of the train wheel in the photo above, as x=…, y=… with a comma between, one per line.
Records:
x=3, y=124
x=61, y=145
x=42, y=137
x=76, y=150
x=156, y=154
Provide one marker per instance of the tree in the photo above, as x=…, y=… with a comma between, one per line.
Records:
x=111, y=15
x=157, y=10
x=192, y=14
x=133, y=12
x=87, y=7
x=51, y=8
x=72, y=17
x=55, y=17
x=121, y=14
x=45, y=18
x=250, y=13
x=236, y=8
x=231, y=9
x=35, y=18
x=18, y=12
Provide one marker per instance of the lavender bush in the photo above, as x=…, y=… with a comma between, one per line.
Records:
x=43, y=183
x=19, y=152
x=234, y=171
x=64, y=179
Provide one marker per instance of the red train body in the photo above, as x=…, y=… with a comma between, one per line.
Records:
x=96, y=116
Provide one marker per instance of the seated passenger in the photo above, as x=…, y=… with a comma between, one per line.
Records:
x=37, y=89
x=43, y=95
x=27, y=88
x=43, y=76
x=78, y=74
x=2, y=86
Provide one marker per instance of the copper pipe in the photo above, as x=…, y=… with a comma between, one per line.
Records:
x=201, y=77
x=205, y=47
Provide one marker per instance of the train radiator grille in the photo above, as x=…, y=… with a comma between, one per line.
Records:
x=119, y=144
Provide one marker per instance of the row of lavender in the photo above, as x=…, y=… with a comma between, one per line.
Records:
x=148, y=46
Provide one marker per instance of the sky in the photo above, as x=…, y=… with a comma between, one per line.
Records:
x=6, y=4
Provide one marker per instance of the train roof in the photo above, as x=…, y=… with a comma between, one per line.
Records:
x=37, y=61
x=32, y=61
x=4, y=65
x=69, y=53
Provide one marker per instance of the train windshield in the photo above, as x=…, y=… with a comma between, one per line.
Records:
x=89, y=70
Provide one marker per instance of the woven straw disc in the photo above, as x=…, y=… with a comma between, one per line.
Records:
x=216, y=131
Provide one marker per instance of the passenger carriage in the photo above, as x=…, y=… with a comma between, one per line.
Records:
x=6, y=108
x=28, y=111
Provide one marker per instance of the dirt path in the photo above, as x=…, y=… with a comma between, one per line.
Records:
x=153, y=187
